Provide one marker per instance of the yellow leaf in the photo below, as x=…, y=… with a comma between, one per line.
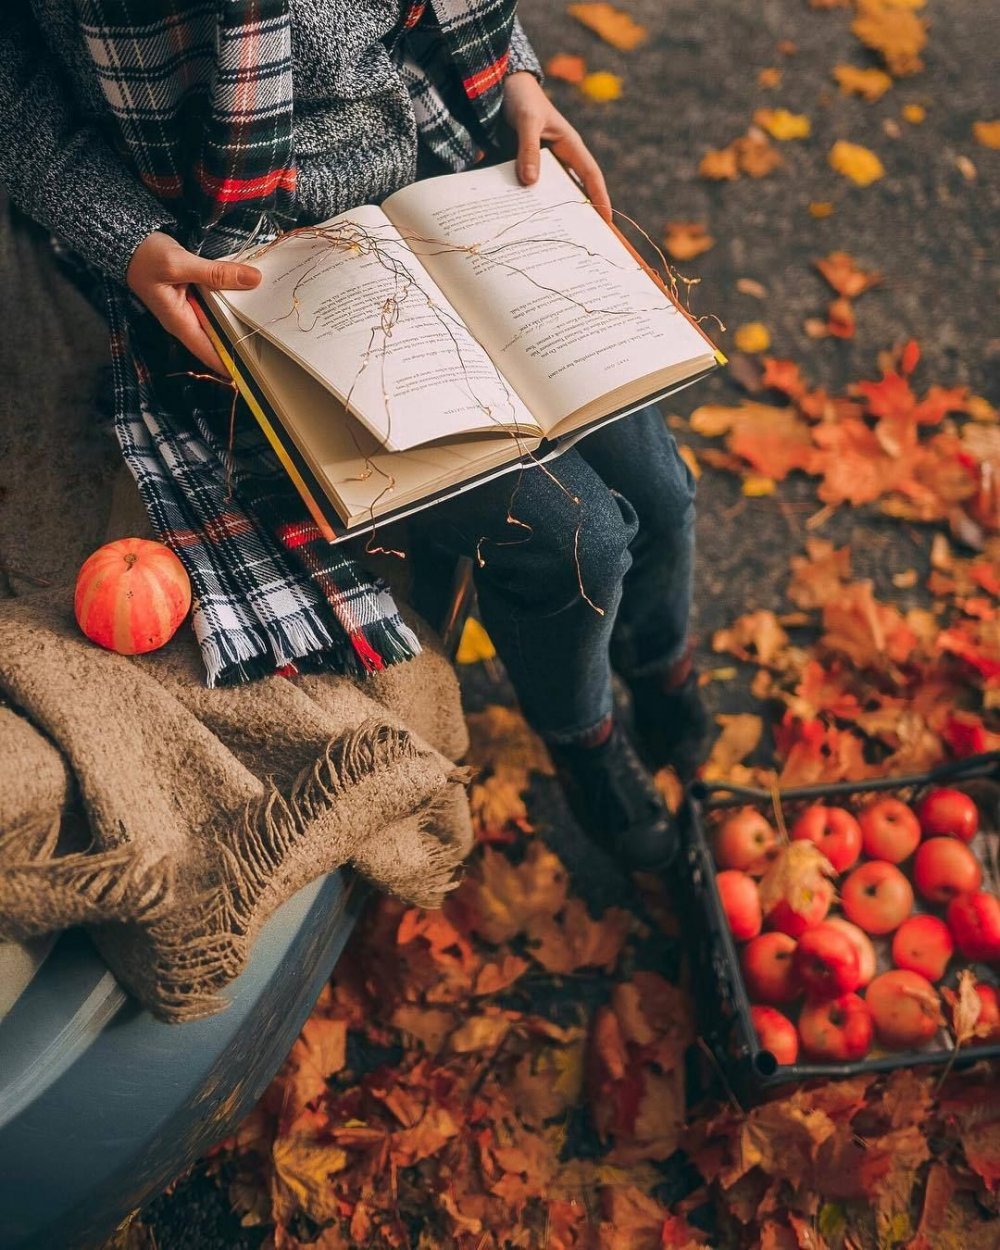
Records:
x=613, y=25
x=602, y=86
x=475, y=645
x=914, y=113
x=566, y=67
x=755, y=486
x=781, y=124
x=858, y=164
x=691, y=460
x=754, y=336
x=987, y=133
x=980, y=409
x=820, y=209
x=303, y=1166
x=869, y=84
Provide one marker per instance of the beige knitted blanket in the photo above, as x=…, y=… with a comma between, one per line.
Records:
x=168, y=818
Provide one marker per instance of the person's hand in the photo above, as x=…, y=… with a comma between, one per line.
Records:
x=534, y=118
x=159, y=273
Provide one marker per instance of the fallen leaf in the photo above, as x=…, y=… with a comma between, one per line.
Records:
x=498, y=898
x=686, y=239
x=855, y=162
x=475, y=644
x=613, y=25
x=303, y=1167
x=915, y=114
x=987, y=133
x=757, y=487
x=602, y=87
x=820, y=209
x=870, y=84
x=687, y=454
x=750, y=286
x=769, y=77
x=567, y=68
x=756, y=636
x=574, y=940
x=754, y=336
x=895, y=33
x=966, y=168
x=795, y=874
x=819, y=576
x=740, y=736
x=842, y=272
x=783, y=125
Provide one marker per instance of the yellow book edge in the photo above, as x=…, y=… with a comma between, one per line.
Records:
x=322, y=524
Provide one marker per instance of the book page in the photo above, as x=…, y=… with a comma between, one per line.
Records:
x=559, y=302
x=350, y=303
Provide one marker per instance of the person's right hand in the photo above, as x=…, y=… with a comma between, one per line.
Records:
x=159, y=273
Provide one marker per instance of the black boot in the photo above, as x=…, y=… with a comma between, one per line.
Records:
x=615, y=801
x=669, y=720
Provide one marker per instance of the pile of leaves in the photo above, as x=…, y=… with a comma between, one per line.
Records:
x=505, y=1072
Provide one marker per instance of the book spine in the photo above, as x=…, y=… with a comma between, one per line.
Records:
x=322, y=524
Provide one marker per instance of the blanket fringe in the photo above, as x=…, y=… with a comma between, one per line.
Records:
x=88, y=889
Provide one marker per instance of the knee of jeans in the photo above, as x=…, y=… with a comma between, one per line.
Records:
x=607, y=527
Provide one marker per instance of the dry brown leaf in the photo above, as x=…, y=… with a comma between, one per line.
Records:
x=819, y=575
x=498, y=898
x=686, y=239
x=757, y=636
x=740, y=736
x=575, y=940
x=613, y=25
x=303, y=1167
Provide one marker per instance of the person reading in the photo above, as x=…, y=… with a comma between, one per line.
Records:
x=154, y=144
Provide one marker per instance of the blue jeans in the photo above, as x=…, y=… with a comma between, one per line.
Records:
x=581, y=564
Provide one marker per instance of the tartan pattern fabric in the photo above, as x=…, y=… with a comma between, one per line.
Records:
x=201, y=94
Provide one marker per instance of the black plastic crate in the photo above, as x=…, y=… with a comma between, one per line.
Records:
x=722, y=1003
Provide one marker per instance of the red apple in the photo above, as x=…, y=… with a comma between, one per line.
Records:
x=786, y=919
x=889, y=831
x=988, y=1024
x=740, y=902
x=776, y=1033
x=867, y=963
x=923, y=944
x=943, y=868
x=905, y=1007
x=877, y=897
x=744, y=841
x=974, y=921
x=948, y=813
x=834, y=830
x=836, y=1029
x=827, y=963
x=768, y=970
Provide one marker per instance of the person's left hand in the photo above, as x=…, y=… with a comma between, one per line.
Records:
x=534, y=117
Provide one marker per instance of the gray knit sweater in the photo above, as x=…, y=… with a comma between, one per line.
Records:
x=355, y=136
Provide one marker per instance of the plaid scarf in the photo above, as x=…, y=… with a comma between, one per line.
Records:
x=202, y=97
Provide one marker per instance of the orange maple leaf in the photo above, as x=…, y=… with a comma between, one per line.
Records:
x=613, y=25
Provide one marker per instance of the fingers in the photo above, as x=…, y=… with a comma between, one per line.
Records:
x=529, y=146
x=572, y=150
x=219, y=275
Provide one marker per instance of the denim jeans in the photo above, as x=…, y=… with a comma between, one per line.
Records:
x=581, y=564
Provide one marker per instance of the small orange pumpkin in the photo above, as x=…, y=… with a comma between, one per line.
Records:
x=131, y=595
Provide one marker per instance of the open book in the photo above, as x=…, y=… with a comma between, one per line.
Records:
x=396, y=355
